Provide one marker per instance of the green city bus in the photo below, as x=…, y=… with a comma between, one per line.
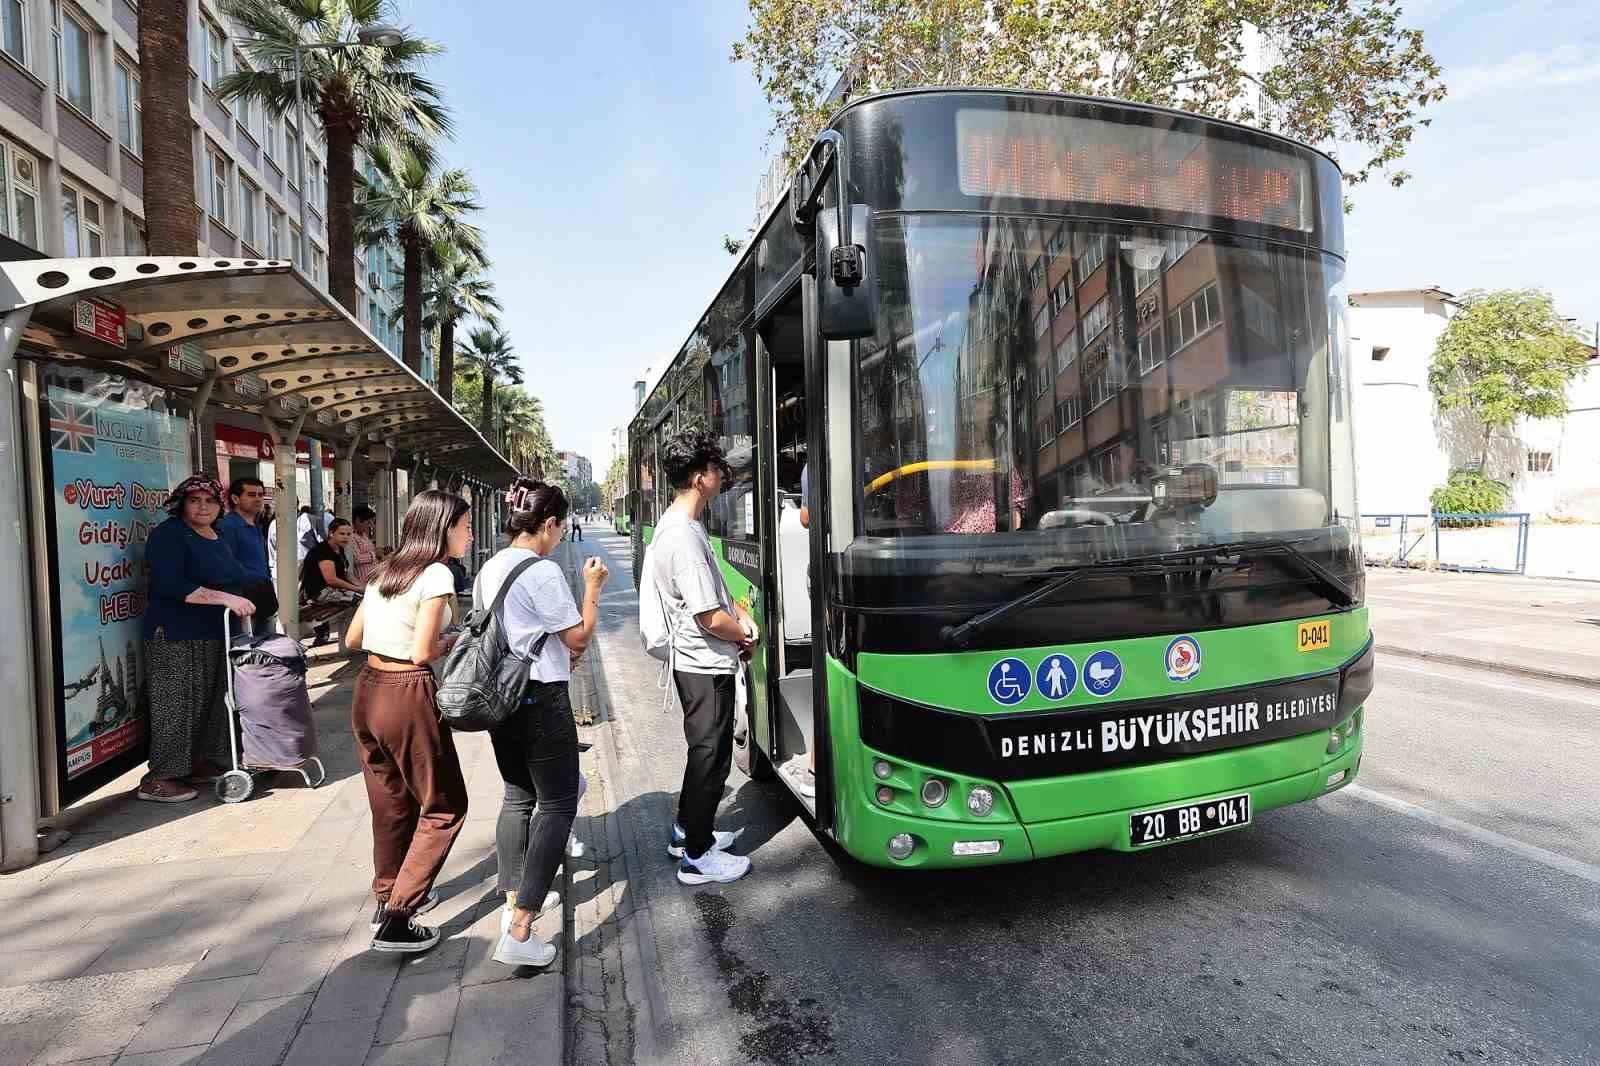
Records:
x=1079, y=566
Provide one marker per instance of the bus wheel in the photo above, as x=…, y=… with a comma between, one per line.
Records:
x=747, y=754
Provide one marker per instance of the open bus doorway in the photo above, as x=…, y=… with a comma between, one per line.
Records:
x=789, y=704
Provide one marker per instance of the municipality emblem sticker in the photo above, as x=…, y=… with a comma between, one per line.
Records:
x=1183, y=659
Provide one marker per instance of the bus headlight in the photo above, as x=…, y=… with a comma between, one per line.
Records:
x=1334, y=740
x=881, y=769
x=885, y=795
x=901, y=845
x=980, y=801
x=934, y=792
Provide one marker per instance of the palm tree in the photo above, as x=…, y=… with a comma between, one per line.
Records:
x=418, y=209
x=457, y=288
x=361, y=94
x=172, y=226
x=490, y=355
x=517, y=416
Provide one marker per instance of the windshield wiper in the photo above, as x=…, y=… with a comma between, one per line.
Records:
x=1328, y=583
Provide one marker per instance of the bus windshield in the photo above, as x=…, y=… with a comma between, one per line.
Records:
x=1058, y=391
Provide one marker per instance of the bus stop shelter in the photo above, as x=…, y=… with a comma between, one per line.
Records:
x=122, y=376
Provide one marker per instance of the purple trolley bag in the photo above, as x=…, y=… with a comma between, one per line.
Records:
x=269, y=713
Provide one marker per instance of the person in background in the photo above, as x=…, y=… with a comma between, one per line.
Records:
x=363, y=545
x=415, y=789
x=325, y=575
x=241, y=530
x=305, y=532
x=537, y=748
x=193, y=580
x=707, y=644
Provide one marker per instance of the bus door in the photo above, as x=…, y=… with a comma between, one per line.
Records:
x=781, y=374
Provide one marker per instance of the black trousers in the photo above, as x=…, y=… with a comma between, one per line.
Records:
x=708, y=729
x=537, y=752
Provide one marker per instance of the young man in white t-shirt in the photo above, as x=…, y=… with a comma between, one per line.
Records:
x=707, y=646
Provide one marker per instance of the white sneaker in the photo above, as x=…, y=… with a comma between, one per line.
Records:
x=530, y=952
x=713, y=866
x=552, y=900
x=574, y=846
x=721, y=840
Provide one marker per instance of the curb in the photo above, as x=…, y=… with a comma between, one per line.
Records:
x=1483, y=664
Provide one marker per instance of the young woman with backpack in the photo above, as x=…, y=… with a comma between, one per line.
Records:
x=537, y=748
x=414, y=783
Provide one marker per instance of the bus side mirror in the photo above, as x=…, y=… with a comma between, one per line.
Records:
x=847, y=285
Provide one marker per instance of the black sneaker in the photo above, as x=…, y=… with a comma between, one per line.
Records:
x=381, y=912
x=404, y=936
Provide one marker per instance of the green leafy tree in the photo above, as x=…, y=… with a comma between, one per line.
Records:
x=456, y=289
x=616, y=481
x=1336, y=71
x=360, y=94
x=490, y=356
x=420, y=210
x=1505, y=355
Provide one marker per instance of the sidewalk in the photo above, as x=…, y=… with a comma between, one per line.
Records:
x=202, y=933
x=1535, y=627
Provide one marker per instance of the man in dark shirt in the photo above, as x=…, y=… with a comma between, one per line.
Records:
x=240, y=530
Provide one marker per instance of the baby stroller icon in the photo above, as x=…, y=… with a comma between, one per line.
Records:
x=1101, y=676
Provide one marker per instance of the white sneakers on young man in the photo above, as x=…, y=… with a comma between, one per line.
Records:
x=721, y=840
x=798, y=771
x=552, y=900
x=714, y=867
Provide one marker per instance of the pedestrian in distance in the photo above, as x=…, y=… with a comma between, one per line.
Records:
x=709, y=637
x=241, y=529
x=577, y=528
x=191, y=573
x=537, y=748
x=414, y=784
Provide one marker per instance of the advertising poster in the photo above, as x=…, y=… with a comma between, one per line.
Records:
x=113, y=456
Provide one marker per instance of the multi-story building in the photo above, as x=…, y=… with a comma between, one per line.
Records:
x=577, y=471
x=72, y=148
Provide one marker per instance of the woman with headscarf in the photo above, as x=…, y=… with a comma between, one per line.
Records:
x=193, y=579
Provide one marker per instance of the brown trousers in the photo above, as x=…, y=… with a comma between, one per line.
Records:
x=414, y=783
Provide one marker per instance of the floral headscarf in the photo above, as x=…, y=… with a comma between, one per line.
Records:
x=191, y=484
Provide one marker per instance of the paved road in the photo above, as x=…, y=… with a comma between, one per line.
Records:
x=1445, y=909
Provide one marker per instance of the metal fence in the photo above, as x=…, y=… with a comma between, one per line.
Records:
x=1471, y=522
x=1410, y=531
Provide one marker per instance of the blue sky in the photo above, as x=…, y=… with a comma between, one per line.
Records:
x=614, y=144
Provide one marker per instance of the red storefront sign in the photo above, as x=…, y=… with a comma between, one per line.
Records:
x=102, y=320
x=238, y=443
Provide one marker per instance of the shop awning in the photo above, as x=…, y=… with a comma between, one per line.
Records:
x=267, y=340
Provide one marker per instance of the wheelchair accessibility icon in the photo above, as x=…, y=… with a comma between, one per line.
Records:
x=1009, y=681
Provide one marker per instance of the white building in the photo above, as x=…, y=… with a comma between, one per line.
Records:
x=1405, y=448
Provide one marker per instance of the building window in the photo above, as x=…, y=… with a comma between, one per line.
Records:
x=297, y=246
x=19, y=211
x=275, y=224
x=133, y=237
x=216, y=54
x=274, y=128
x=1056, y=245
x=74, y=60
x=1541, y=462
x=1259, y=315
x=313, y=179
x=1143, y=279
x=1197, y=315
x=1060, y=296
x=1068, y=412
x=1150, y=355
x=1379, y=354
x=1067, y=350
x=249, y=207
x=1096, y=319
x=249, y=113
x=81, y=232
x=130, y=111
x=14, y=31
x=292, y=153
x=1093, y=255
x=217, y=176
x=1035, y=273
x=1041, y=323
x=1047, y=427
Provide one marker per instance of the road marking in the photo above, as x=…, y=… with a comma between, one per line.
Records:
x=1576, y=867
x=1465, y=676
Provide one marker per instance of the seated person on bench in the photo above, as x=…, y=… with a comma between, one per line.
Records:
x=324, y=576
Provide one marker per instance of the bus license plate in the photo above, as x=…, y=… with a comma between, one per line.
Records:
x=1189, y=820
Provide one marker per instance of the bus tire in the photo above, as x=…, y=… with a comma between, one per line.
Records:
x=747, y=754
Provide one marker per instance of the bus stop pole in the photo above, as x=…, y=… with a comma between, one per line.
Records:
x=343, y=488
x=287, y=504
x=19, y=753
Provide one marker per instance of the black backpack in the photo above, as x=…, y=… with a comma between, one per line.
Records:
x=482, y=683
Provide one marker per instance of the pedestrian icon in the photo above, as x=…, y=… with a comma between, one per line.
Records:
x=1102, y=673
x=1057, y=677
x=1009, y=681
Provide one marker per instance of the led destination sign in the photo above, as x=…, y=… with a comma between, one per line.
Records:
x=1086, y=160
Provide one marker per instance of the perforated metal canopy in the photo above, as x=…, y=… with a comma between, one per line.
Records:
x=270, y=342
